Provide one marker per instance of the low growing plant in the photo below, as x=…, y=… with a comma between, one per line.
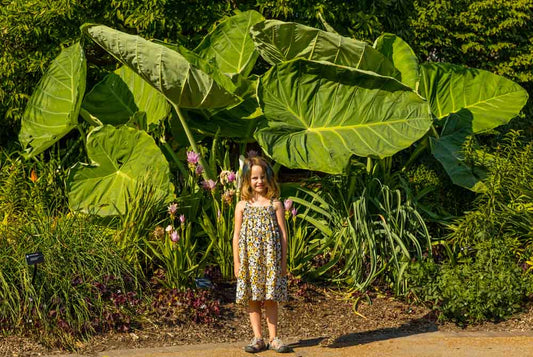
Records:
x=487, y=285
x=82, y=280
x=370, y=231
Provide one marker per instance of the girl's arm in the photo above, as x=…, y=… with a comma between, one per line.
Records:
x=238, y=222
x=280, y=215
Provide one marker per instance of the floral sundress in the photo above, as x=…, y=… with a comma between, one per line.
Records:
x=260, y=256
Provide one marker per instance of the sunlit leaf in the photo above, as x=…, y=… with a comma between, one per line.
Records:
x=53, y=108
x=279, y=41
x=488, y=100
x=121, y=159
x=170, y=72
x=319, y=114
x=230, y=44
x=402, y=57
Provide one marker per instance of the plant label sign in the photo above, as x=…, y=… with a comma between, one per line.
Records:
x=34, y=258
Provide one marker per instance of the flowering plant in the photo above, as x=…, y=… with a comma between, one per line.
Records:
x=301, y=248
x=177, y=251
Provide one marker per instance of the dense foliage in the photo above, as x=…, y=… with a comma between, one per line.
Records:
x=32, y=32
x=385, y=224
x=488, y=34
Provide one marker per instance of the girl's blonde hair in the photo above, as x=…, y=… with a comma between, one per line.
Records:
x=271, y=185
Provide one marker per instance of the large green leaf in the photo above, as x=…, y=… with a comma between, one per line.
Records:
x=53, y=108
x=489, y=99
x=319, y=114
x=447, y=149
x=170, y=72
x=238, y=122
x=121, y=159
x=279, y=41
x=122, y=94
x=402, y=57
x=230, y=45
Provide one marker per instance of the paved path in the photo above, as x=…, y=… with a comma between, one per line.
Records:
x=471, y=344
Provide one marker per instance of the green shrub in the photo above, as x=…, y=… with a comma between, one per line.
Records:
x=487, y=284
x=505, y=209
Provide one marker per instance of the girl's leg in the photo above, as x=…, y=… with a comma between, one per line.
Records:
x=271, y=310
x=254, y=309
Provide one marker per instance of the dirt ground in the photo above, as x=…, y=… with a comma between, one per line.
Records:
x=326, y=316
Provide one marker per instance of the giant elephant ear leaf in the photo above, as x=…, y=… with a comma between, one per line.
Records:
x=319, y=114
x=279, y=41
x=490, y=100
x=170, y=72
x=402, y=57
x=121, y=159
x=53, y=108
x=230, y=44
x=123, y=93
x=448, y=150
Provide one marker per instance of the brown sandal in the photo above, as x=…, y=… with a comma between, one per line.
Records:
x=257, y=345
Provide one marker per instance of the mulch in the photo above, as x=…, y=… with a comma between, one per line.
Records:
x=332, y=316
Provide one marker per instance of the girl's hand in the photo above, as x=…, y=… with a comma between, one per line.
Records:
x=236, y=269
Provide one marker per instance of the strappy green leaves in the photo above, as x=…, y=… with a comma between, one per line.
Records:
x=53, y=108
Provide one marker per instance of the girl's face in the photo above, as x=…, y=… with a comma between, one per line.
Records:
x=258, y=179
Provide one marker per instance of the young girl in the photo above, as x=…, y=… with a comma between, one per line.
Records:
x=260, y=251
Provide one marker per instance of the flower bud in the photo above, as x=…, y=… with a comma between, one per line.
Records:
x=287, y=204
x=174, y=236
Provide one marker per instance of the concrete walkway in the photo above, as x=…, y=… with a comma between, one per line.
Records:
x=456, y=344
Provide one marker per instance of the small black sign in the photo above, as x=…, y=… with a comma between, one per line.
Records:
x=34, y=258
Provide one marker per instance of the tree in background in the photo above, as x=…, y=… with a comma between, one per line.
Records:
x=495, y=35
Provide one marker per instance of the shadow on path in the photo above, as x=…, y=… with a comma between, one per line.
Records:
x=414, y=327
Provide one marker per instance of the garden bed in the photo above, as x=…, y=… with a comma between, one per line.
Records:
x=312, y=312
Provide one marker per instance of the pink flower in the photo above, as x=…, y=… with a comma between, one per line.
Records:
x=173, y=208
x=294, y=212
x=174, y=236
x=209, y=185
x=287, y=204
x=169, y=228
x=227, y=177
x=182, y=218
x=199, y=170
x=192, y=157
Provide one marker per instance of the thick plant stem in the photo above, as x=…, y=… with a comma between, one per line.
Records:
x=369, y=165
x=206, y=173
x=178, y=163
